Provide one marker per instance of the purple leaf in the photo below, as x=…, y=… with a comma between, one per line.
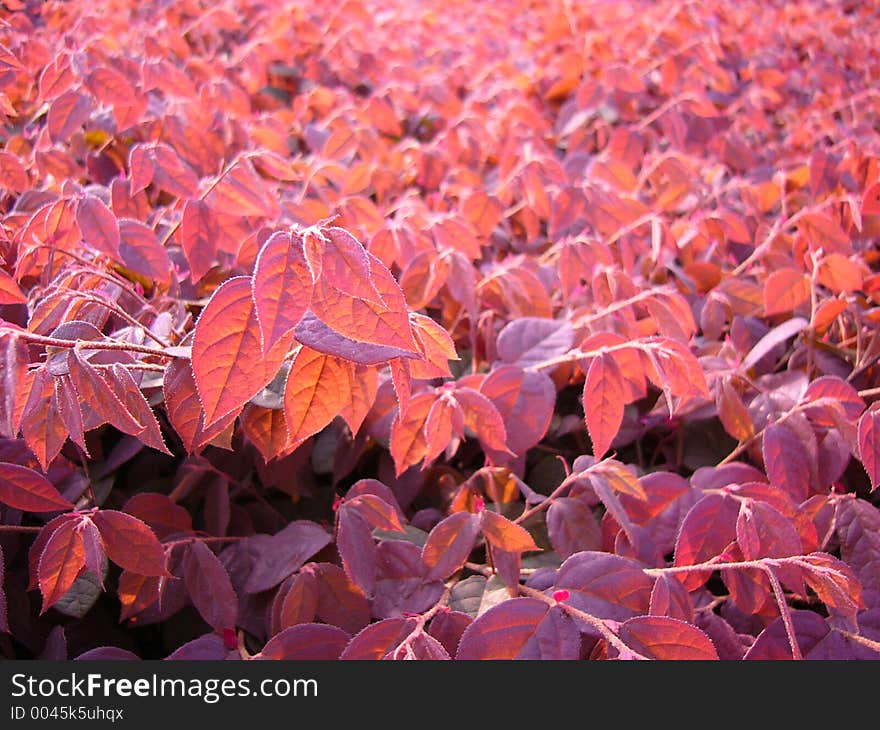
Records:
x=314, y=333
x=306, y=642
x=527, y=341
x=210, y=588
x=521, y=628
x=354, y=541
x=286, y=552
x=108, y=653
x=401, y=584
x=210, y=647
x=605, y=585
x=572, y=527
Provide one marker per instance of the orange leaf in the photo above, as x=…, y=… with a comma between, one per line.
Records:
x=785, y=290
x=266, y=428
x=318, y=388
x=226, y=356
x=282, y=287
x=504, y=534
x=483, y=418
x=733, y=413
x=61, y=561
x=840, y=274
x=364, y=386
x=408, y=444
x=437, y=346
x=10, y=293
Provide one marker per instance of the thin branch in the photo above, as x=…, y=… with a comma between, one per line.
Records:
x=85, y=344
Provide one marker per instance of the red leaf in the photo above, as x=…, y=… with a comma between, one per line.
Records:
x=171, y=173
x=447, y=627
x=525, y=401
x=318, y=388
x=362, y=320
x=41, y=425
x=773, y=644
x=25, y=489
x=837, y=389
x=437, y=347
x=858, y=528
x=94, y=390
x=13, y=175
x=786, y=461
x=266, y=428
x=142, y=253
x=13, y=382
x=130, y=543
x=335, y=256
x=604, y=585
x=764, y=532
x=159, y=512
x=4, y=623
x=785, y=290
x=378, y=639
x=706, y=531
x=840, y=274
x=449, y=544
x=10, y=293
x=319, y=336
x=483, y=418
x=282, y=287
x=603, y=402
x=243, y=192
x=130, y=396
x=210, y=588
x=661, y=637
x=504, y=534
x=99, y=226
x=834, y=583
x=61, y=561
x=66, y=114
x=226, y=356
x=300, y=602
x=184, y=408
x=208, y=647
x=572, y=527
x=340, y=602
x=306, y=642
x=869, y=445
x=199, y=233
x=140, y=165
x=439, y=426
x=670, y=598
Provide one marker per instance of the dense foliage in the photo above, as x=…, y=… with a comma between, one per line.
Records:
x=427, y=330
